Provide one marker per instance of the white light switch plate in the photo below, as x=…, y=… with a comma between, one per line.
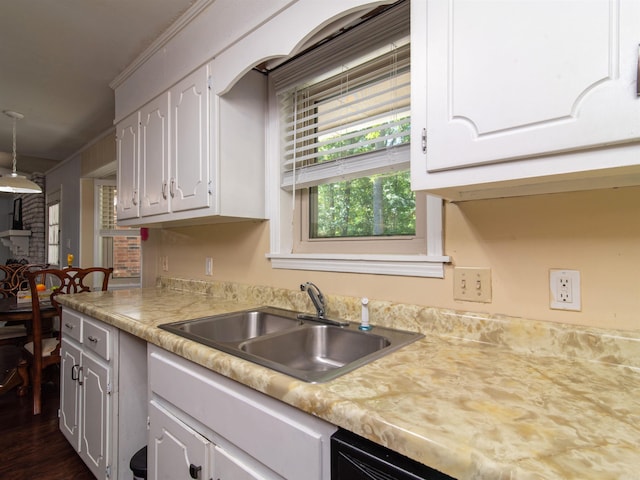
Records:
x=472, y=284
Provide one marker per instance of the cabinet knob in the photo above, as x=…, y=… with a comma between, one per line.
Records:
x=194, y=471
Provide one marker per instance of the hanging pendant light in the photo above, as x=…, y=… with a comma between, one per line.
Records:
x=14, y=183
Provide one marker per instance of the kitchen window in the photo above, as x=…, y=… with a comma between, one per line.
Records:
x=117, y=247
x=53, y=229
x=343, y=116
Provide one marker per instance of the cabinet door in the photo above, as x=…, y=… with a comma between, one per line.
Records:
x=175, y=450
x=70, y=392
x=190, y=164
x=96, y=415
x=127, y=133
x=154, y=156
x=510, y=80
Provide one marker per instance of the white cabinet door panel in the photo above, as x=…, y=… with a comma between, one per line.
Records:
x=175, y=450
x=190, y=162
x=510, y=80
x=127, y=133
x=69, y=392
x=96, y=402
x=154, y=156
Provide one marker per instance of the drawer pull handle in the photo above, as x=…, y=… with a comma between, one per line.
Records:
x=92, y=339
x=69, y=325
x=194, y=471
x=75, y=372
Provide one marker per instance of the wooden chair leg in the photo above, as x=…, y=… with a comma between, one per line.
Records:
x=23, y=372
x=11, y=380
x=36, y=386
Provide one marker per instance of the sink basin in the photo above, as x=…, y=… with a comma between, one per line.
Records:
x=236, y=326
x=317, y=348
x=278, y=339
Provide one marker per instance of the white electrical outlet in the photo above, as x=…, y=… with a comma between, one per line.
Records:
x=208, y=266
x=564, y=286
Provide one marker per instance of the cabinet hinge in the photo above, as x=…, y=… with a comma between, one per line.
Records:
x=209, y=82
x=424, y=140
x=107, y=471
x=148, y=423
x=108, y=388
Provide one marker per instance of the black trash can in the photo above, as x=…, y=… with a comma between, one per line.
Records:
x=138, y=464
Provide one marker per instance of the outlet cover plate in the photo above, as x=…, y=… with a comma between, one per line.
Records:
x=472, y=284
x=564, y=289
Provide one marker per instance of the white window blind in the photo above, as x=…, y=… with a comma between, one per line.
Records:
x=107, y=210
x=345, y=108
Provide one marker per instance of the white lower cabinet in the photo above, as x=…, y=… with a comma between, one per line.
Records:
x=102, y=394
x=203, y=425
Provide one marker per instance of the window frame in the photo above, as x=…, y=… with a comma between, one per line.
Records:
x=101, y=233
x=279, y=206
x=54, y=199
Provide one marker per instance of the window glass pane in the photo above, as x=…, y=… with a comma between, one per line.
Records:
x=107, y=207
x=380, y=205
x=53, y=234
x=118, y=247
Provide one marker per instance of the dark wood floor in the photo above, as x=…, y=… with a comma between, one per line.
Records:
x=32, y=446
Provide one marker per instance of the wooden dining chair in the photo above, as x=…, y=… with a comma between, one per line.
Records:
x=44, y=350
x=13, y=280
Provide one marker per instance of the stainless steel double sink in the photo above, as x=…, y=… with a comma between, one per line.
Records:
x=305, y=349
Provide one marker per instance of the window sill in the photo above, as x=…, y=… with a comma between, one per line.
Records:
x=404, y=265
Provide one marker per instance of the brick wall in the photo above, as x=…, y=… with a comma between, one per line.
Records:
x=33, y=218
x=126, y=257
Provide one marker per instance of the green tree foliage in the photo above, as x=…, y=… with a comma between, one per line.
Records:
x=379, y=205
x=348, y=209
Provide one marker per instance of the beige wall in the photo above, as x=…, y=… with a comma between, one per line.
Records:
x=596, y=232
x=87, y=223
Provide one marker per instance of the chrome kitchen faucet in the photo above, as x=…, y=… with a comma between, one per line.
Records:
x=317, y=298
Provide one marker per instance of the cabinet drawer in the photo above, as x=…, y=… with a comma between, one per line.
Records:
x=261, y=426
x=97, y=338
x=71, y=325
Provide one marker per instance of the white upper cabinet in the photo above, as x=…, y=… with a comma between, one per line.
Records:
x=191, y=156
x=507, y=92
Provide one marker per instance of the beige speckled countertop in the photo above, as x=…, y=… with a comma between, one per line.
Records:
x=479, y=397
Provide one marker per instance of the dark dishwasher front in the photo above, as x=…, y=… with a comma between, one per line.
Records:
x=356, y=458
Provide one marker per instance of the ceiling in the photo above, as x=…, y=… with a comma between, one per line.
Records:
x=57, y=59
